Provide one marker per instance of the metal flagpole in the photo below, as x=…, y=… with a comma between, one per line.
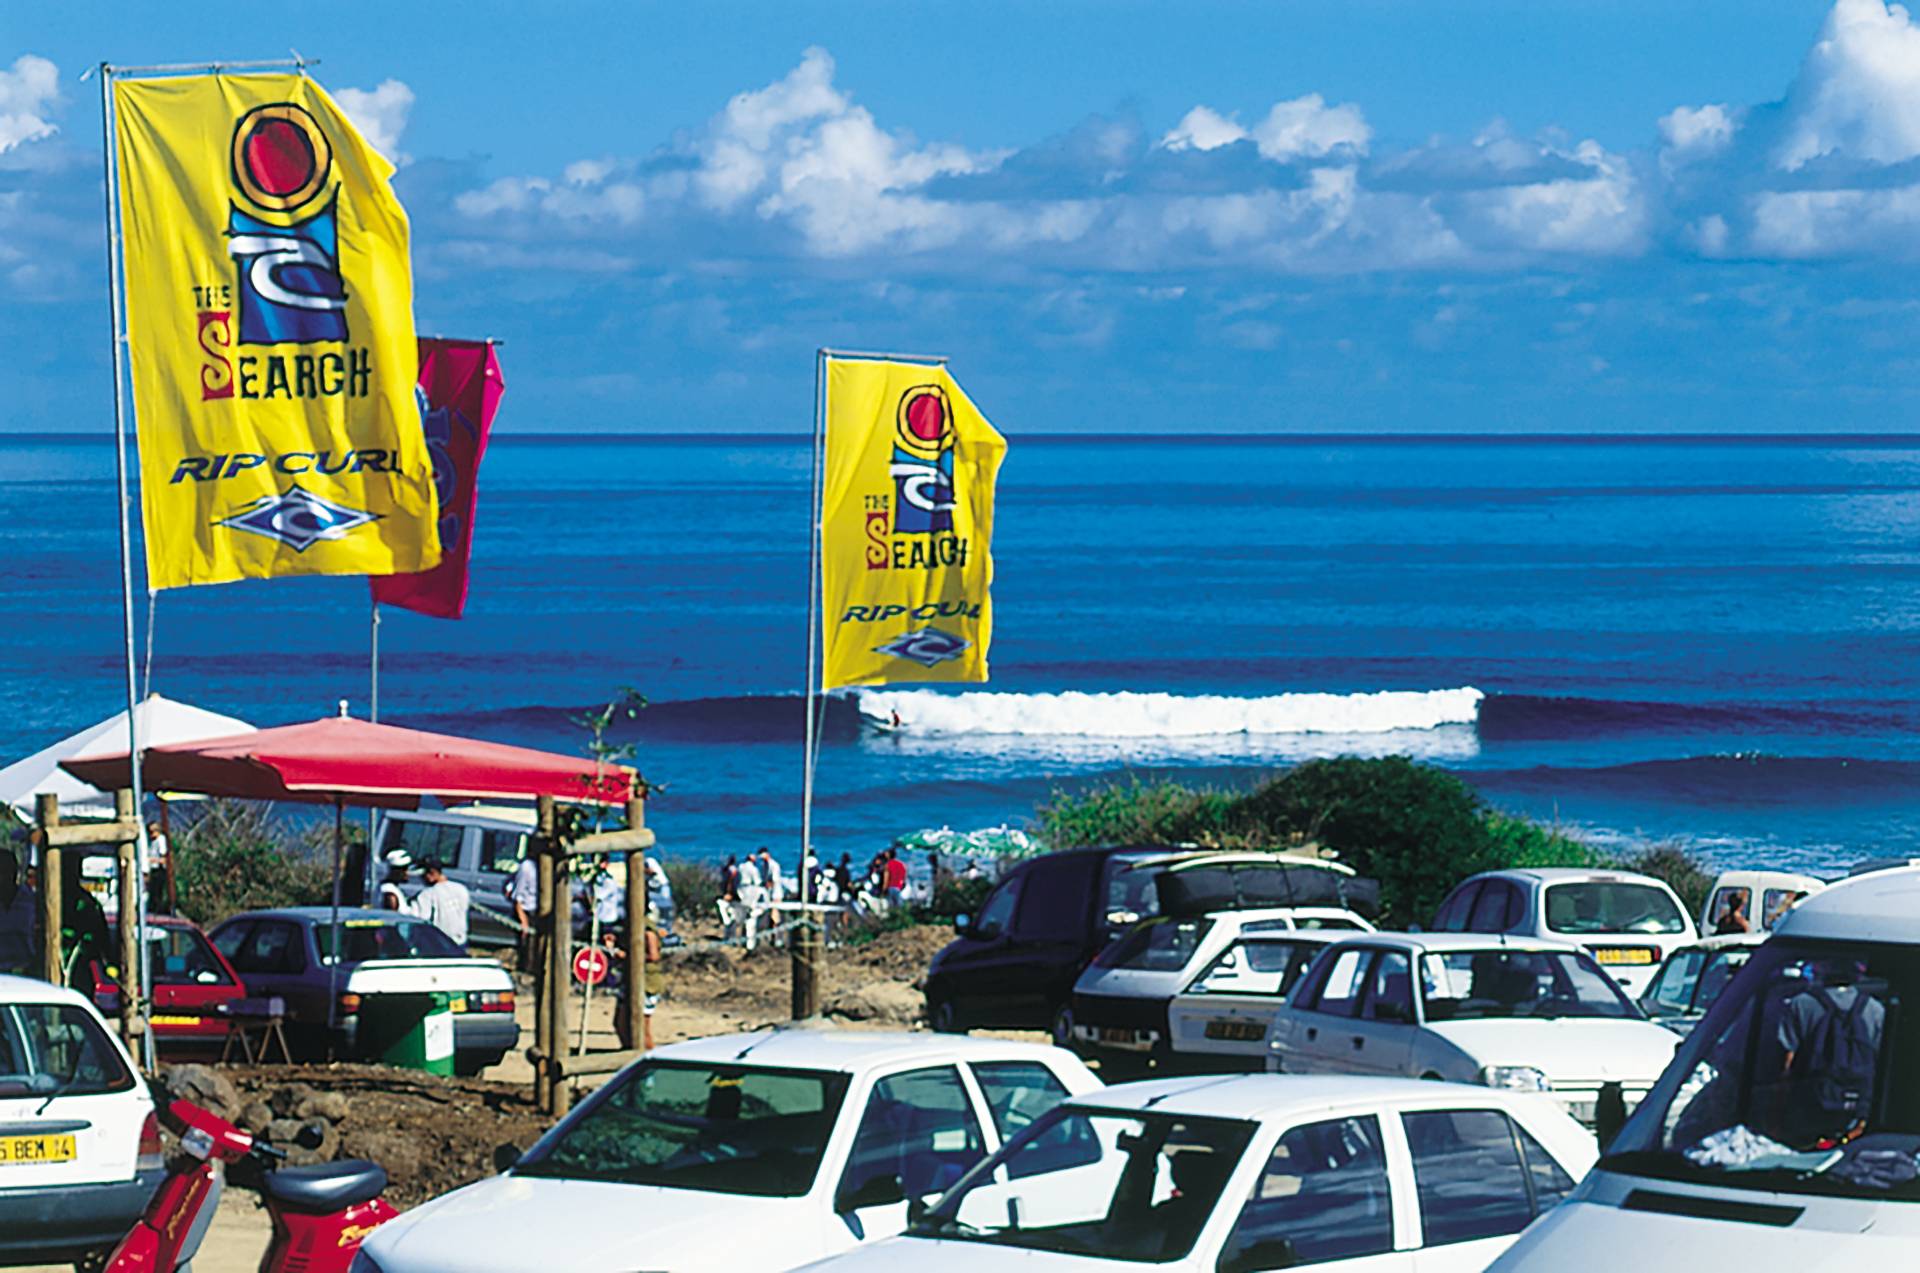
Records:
x=805, y=974
x=117, y=318
x=373, y=688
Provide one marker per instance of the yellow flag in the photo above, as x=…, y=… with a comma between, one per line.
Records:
x=906, y=527
x=270, y=324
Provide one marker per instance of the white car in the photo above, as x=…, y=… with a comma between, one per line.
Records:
x=1630, y=922
x=1219, y=1022
x=79, y=1143
x=740, y=1152
x=1759, y=900
x=1786, y=1134
x=1119, y=1006
x=1253, y=1172
x=1515, y=1013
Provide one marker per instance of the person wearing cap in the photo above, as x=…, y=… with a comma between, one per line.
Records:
x=392, y=894
x=443, y=902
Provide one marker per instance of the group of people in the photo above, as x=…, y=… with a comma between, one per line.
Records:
x=444, y=902
x=753, y=887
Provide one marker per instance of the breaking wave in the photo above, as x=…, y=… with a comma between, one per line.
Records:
x=1074, y=714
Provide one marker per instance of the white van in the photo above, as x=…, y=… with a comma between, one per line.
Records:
x=1786, y=1133
x=1758, y=899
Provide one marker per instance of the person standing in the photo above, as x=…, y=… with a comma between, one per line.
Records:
x=19, y=919
x=392, y=898
x=524, y=892
x=895, y=878
x=443, y=902
x=728, y=903
x=753, y=897
x=770, y=876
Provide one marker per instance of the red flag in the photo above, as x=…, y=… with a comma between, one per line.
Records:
x=459, y=388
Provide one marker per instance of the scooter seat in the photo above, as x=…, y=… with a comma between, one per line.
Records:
x=327, y=1186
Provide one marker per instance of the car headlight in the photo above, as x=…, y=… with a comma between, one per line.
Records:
x=1514, y=1078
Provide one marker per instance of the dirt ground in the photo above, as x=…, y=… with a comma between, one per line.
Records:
x=435, y=1134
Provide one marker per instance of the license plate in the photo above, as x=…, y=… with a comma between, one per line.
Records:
x=1624, y=955
x=1114, y=1034
x=20, y=1151
x=1242, y=1031
x=458, y=1003
x=172, y=1020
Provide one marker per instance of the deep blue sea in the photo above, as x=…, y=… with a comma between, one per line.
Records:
x=1714, y=641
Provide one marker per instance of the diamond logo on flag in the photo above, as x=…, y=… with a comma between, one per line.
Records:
x=926, y=647
x=299, y=519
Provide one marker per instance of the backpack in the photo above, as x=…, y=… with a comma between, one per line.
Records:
x=1841, y=1055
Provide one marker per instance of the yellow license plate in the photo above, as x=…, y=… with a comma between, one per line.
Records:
x=20, y=1151
x=458, y=1003
x=1634, y=955
x=166, y=1020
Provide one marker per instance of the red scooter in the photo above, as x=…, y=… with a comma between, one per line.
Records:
x=321, y=1213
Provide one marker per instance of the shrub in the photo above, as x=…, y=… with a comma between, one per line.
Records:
x=1522, y=842
x=235, y=857
x=958, y=895
x=1135, y=812
x=1683, y=873
x=696, y=886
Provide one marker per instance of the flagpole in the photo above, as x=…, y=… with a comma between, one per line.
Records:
x=373, y=687
x=117, y=321
x=806, y=975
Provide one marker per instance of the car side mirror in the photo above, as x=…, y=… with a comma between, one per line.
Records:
x=963, y=925
x=1267, y=1253
x=880, y=1191
x=917, y=1209
x=506, y=1157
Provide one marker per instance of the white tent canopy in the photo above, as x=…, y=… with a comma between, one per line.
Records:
x=163, y=722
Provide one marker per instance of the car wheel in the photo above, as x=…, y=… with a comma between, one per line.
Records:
x=944, y=1017
x=1062, y=1026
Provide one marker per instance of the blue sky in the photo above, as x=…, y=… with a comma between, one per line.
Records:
x=1596, y=215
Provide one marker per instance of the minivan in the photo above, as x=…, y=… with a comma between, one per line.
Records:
x=479, y=845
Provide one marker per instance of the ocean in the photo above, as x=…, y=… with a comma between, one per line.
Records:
x=1703, y=640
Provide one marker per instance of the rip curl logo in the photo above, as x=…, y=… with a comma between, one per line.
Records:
x=927, y=647
x=290, y=289
x=299, y=518
x=912, y=527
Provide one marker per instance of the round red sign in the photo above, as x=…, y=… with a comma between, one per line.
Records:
x=591, y=965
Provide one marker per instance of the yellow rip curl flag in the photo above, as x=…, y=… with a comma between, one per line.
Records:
x=906, y=526
x=270, y=329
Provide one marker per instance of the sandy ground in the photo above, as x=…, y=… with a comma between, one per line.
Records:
x=720, y=992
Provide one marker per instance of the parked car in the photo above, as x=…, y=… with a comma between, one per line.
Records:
x=1630, y=922
x=1753, y=901
x=191, y=980
x=740, y=1153
x=1013, y=964
x=1786, y=1133
x=1253, y=1172
x=1693, y=978
x=79, y=1144
x=1219, y=1021
x=479, y=845
x=1118, y=1014
x=1516, y=1013
x=289, y=953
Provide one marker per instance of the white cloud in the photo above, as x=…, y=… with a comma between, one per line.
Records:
x=1307, y=127
x=740, y=151
x=27, y=95
x=380, y=114
x=1688, y=131
x=1858, y=94
x=1203, y=129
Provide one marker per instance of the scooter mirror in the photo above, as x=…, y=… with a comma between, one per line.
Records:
x=506, y=1157
x=310, y=1136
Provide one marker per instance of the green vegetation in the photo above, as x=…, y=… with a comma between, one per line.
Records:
x=1417, y=829
x=235, y=857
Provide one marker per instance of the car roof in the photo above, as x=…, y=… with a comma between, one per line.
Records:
x=298, y=913
x=848, y=1051
x=33, y=990
x=476, y=815
x=1726, y=940
x=1445, y=942
x=1565, y=874
x=1882, y=906
x=1262, y=1096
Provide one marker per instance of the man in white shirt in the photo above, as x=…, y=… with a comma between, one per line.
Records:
x=443, y=902
x=753, y=897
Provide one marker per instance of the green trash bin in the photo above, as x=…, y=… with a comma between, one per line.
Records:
x=411, y=1031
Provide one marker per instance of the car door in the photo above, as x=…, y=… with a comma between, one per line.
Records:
x=274, y=960
x=1381, y=1033
x=1478, y=1180
x=1324, y=1200
x=1051, y=925
x=981, y=974
x=919, y=1131
x=1314, y=1035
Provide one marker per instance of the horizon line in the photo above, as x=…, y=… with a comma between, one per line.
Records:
x=731, y=438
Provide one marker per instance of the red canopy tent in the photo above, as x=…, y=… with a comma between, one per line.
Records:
x=341, y=760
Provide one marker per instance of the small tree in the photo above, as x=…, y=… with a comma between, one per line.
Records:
x=235, y=857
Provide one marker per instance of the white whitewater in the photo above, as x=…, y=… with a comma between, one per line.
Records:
x=1126, y=714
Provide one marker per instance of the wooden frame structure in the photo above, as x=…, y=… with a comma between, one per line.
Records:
x=122, y=835
x=553, y=1067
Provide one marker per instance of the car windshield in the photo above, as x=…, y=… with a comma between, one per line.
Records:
x=1113, y=1185
x=1612, y=906
x=739, y=1129
x=1468, y=985
x=182, y=957
x=364, y=939
x=1256, y=966
x=1163, y=944
x=56, y=1049
x=1798, y=1080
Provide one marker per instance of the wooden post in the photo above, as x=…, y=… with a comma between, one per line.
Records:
x=46, y=813
x=636, y=987
x=132, y=1021
x=805, y=947
x=543, y=988
x=559, y=959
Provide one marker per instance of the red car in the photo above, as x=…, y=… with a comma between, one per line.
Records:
x=190, y=980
